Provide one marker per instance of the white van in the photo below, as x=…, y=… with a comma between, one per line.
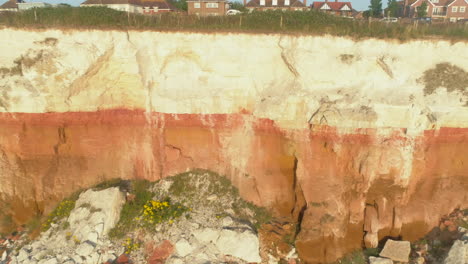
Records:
x=233, y=12
x=389, y=19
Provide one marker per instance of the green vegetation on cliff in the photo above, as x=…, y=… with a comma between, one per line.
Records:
x=308, y=22
x=183, y=196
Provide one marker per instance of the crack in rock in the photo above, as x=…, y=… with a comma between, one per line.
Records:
x=291, y=67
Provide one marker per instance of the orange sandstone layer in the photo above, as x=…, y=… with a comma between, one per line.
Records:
x=340, y=185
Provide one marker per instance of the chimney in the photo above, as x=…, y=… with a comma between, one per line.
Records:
x=305, y=2
x=245, y=2
x=336, y=1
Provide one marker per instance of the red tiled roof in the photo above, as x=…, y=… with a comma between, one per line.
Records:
x=269, y=3
x=443, y=2
x=440, y=3
x=334, y=6
x=11, y=4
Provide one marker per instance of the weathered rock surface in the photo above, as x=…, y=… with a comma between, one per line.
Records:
x=242, y=245
x=458, y=254
x=374, y=260
x=183, y=248
x=75, y=240
x=286, y=129
x=95, y=213
x=396, y=250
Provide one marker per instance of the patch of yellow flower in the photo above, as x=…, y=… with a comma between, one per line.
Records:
x=157, y=211
x=130, y=245
x=76, y=240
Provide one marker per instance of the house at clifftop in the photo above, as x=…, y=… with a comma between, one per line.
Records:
x=207, y=7
x=334, y=8
x=284, y=5
x=10, y=5
x=447, y=10
x=146, y=7
x=19, y=5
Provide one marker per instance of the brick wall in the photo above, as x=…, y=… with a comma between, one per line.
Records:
x=206, y=11
x=458, y=14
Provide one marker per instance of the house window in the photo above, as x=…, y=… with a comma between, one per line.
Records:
x=274, y=2
x=286, y=2
x=462, y=9
x=211, y=5
x=435, y=1
x=196, y=5
x=262, y=2
x=454, y=9
x=453, y=19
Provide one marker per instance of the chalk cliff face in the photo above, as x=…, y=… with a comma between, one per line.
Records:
x=355, y=140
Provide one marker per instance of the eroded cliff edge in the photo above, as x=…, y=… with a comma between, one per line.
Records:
x=355, y=140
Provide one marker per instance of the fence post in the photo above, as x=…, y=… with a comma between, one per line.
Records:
x=35, y=15
x=240, y=21
x=281, y=22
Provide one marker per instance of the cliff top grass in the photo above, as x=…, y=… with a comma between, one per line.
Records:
x=285, y=22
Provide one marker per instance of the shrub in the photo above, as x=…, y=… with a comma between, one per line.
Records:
x=132, y=210
x=62, y=211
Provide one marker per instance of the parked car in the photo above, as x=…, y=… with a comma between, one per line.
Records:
x=389, y=19
x=233, y=12
x=463, y=21
x=425, y=20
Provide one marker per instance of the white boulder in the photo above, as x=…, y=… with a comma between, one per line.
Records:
x=458, y=253
x=96, y=211
x=84, y=249
x=206, y=235
x=183, y=248
x=22, y=256
x=396, y=250
x=243, y=245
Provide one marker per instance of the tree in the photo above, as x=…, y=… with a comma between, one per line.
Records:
x=422, y=10
x=366, y=14
x=392, y=8
x=179, y=4
x=375, y=8
x=237, y=5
